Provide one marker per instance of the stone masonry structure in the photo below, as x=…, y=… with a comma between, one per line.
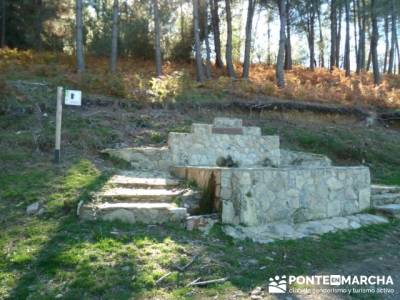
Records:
x=260, y=196
x=267, y=187
x=207, y=142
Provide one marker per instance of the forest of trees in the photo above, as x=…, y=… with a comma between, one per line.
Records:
x=204, y=30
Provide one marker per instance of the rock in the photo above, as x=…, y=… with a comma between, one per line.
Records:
x=354, y=225
x=33, y=208
x=221, y=161
x=256, y=291
x=269, y=258
x=226, y=162
x=126, y=268
x=370, y=120
x=391, y=210
x=230, y=163
x=267, y=163
x=252, y=261
x=366, y=219
x=203, y=222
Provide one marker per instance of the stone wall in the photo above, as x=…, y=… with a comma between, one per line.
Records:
x=224, y=137
x=143, y=158
x=257, y=196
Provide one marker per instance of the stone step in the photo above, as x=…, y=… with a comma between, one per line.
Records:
x=149, y=182
x=390, y=210
x=387, y=198
x=140, y=195
x=147, y=213
x=377, y=189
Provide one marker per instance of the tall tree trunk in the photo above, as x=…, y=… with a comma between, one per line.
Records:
x=114, y=38
x=158, y=39
x=369, y=59
x=386, y=29
x=3, y=24
x=374, y=43
x=355, y=27
x=182, y=20
x=38, y=25
x=247, y=44
x=321, y=44
x=311, y=35
x=228, y=54
x=216, y=33
x=394, y=37
x=196, y=28
x=333, y=35
x=280, y=73
x=207, y=42
x=288, y=45
x=339, y=35
x=361, y=36
x=79, y=37
x=398, y=55
x=346, y=62
x=311, y=47
x=269, y=38
x=239, y=39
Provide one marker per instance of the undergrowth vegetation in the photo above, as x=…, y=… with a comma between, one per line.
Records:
x=134, y=81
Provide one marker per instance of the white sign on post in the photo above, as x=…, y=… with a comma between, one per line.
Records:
x=73, y=97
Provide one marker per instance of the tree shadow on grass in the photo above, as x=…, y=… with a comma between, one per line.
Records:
x=104, y=260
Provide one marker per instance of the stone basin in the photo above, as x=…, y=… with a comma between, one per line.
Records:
x=256, y=196
x=267, y=185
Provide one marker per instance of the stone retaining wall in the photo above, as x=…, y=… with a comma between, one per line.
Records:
x=143, y=158
x=257, y=196
x=224, y=137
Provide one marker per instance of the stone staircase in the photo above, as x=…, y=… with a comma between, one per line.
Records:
x=385, y=199
x=150, y=197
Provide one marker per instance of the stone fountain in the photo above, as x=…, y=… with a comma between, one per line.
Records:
x=259, y=190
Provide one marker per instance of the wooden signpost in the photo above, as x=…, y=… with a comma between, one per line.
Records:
x=58, y=124
x=72, y=97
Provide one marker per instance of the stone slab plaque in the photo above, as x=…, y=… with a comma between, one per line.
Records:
x=227, y=122
x=227, y=130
